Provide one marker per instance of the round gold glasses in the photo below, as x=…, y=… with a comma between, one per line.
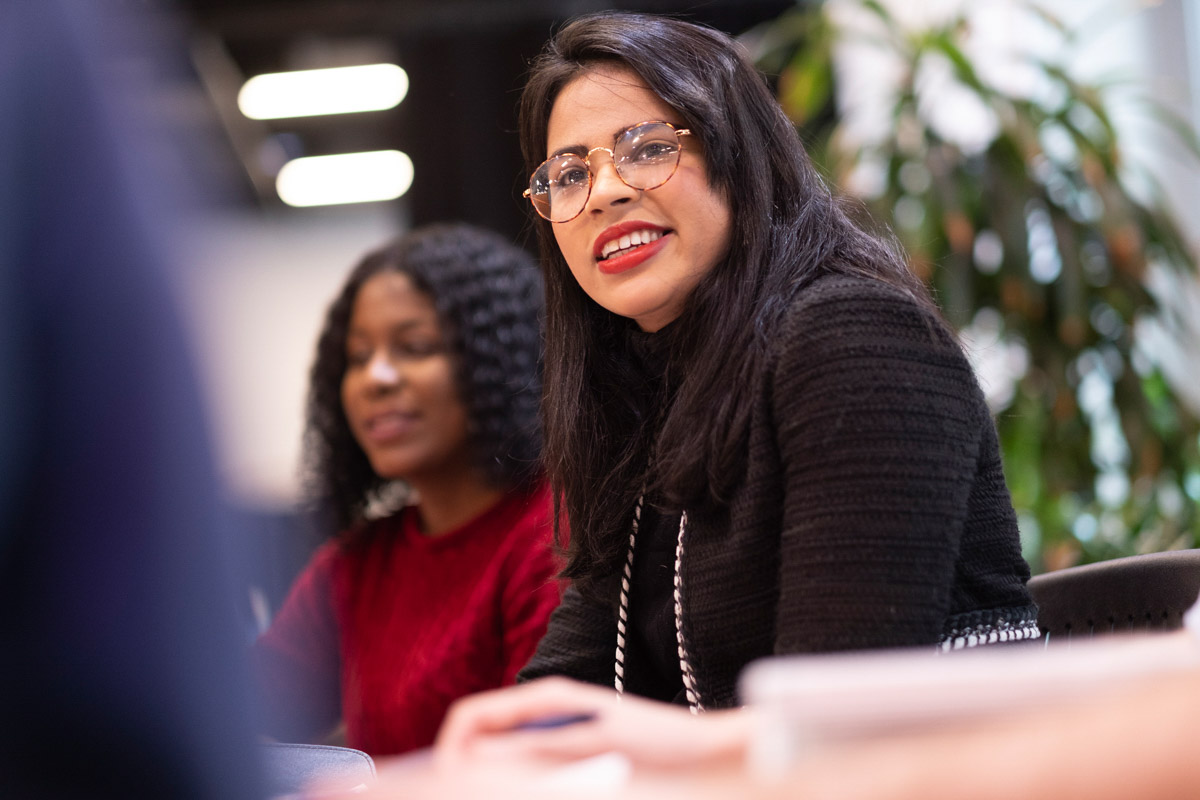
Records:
x=645, y=155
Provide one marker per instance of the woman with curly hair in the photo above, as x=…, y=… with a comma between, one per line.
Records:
x=426, y=379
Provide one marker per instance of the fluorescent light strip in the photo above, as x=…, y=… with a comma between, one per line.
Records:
x=313, y=92
x=348, y=178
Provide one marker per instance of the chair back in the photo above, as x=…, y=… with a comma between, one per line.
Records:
x=289, y=768
x=1137, y=593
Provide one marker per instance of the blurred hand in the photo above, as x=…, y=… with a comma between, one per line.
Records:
x=485, y=729
x=499, y=783
x=482, y=751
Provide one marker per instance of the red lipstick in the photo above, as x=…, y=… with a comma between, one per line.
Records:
x=632, y=257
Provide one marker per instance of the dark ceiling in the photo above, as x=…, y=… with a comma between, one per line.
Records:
x=465, y=60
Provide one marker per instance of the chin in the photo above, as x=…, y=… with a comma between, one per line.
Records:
x=650, y=319
x=635, y=308
x=392, y=469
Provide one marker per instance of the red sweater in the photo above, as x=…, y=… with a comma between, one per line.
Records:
x=387, y=629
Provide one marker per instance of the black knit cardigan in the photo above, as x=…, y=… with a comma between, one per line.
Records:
x=873, y=512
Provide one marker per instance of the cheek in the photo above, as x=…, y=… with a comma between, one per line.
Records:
x=722, y=234
x=570, y=244
x=716, y=220
x=346, y=394
x=452, y=424
x=559, y=232
x=442, y=392
x=350, y=391
x=579, y=262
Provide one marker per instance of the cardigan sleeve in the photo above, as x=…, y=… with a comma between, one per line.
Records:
x=580, y=642
x=879, y=420
x=296, y=661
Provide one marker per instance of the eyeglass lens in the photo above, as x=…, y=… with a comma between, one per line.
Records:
x=645, y=157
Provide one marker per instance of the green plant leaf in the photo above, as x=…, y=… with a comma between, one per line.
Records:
x=1046, y=436
x=805, y=86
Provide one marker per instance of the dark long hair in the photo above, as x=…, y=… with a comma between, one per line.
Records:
x=788, y=229
x=489, y=301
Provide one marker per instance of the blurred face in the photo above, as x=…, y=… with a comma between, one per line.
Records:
x=638, y=253
x=399, y=391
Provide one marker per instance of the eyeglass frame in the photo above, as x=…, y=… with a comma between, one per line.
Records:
x=587, y=162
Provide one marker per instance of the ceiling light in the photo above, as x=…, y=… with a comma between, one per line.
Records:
x=313, y=92
x=347, y=178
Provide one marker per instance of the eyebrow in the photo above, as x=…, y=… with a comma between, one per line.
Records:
x=571, y=149
x=403, y=326
x=581, y=150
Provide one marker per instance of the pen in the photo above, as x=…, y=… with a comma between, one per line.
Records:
x=554, y=721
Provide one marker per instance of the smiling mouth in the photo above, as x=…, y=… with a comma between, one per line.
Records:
x=629, y=242
x=390, y=425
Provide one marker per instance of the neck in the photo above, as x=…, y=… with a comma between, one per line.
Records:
x=447, y=503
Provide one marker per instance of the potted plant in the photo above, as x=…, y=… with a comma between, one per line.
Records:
x=1026, y=225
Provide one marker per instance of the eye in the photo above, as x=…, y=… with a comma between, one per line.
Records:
x=571, y=177
x=419, y=348
x=563, y=172
x=653, y=150
x=357, y=356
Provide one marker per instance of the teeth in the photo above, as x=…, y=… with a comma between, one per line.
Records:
x=629, y=240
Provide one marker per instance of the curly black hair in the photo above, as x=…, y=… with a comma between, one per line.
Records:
x=488, y=297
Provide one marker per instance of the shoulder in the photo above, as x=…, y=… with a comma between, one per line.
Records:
x=361, y=542
x=857, y=340
x=527, y=553
x=857, y=302
x=529, y=520
x=530, y=508
x=330, y=558
x=516, y=528
x=844, y=317
x=313, y=588
x=326, y=558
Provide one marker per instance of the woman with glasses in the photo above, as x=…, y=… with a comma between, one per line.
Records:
x=427, y=380
x=766, y=439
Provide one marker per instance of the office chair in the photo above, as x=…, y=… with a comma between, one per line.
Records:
x=1136, y=593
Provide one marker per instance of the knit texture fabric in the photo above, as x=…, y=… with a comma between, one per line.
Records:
x=389, y=628
x=873, y=512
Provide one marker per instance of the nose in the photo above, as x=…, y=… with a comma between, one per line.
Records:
x=607, y=187
x=382, y=373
